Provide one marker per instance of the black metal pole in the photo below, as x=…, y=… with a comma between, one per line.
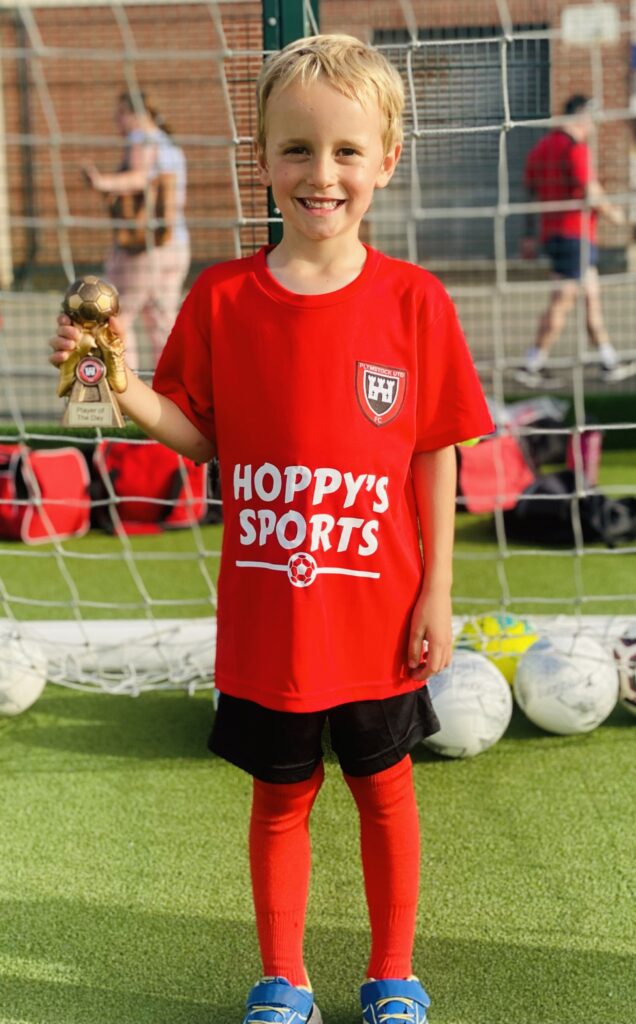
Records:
x=284, y=21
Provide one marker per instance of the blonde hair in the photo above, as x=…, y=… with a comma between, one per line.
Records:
x=349, y=65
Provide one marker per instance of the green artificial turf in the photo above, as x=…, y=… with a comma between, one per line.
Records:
x=177, y=582
x=124, y=892
x=550, y=578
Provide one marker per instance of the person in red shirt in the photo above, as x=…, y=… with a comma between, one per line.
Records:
x=333, y=383
x=559, y=168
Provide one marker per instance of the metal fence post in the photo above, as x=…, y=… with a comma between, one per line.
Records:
x=284, y=21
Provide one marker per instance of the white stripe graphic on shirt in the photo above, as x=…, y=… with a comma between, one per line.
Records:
x=302, y=570
x=319, y=572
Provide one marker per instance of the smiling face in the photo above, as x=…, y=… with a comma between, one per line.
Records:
x=324, y=157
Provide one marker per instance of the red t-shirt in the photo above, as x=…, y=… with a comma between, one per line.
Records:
x=558, y=167
x=316, y=404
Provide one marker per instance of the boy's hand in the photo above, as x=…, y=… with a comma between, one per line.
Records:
x=113, y=350
x=431, y=636
x=69, y=346
x=616, y=215
x=65, y=341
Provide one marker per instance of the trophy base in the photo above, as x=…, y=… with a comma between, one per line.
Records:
x=91, y=402
x=92, y=414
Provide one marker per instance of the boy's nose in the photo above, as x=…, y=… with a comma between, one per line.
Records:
x=321, y=172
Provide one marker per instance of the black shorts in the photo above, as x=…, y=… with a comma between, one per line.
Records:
x=566, y=255
x=285, y=746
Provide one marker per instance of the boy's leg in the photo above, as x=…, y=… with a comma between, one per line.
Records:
x=280, y=860
x=596, y=329
x=553, y=319
x=283, y=752
x=565, y=261
x=389, y=840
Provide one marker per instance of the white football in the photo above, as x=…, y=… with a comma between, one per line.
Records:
x=566, y=684
x=23, y=667
x=473, y=703
x=625, y=655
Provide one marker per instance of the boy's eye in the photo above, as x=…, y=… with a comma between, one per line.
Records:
x=295, y=150
x=348, y=151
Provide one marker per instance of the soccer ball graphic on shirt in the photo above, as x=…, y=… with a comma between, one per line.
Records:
x=23, y=668
x=301, y=569
x=473, y=702
x=566, y=684
x=625, y=655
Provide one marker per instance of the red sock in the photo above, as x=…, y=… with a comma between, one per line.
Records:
x=280, y=861
x=389, y=840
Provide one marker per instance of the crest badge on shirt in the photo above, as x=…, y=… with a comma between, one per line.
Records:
x=381, y=391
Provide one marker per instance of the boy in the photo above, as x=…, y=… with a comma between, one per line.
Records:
x=560, y=167
x=333, y=382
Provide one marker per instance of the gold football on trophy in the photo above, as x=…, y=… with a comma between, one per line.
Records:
x=91, y=300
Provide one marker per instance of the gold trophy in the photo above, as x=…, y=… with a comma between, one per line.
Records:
x=96, y=367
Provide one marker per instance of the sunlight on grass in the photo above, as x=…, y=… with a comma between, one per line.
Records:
x=171, y=568
x=548, y=580
x=175, y=571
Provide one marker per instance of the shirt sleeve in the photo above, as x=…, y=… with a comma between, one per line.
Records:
x=581, y=171
x=450, y=402
x=184, y=370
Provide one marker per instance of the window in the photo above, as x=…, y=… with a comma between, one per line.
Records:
x=457, y=82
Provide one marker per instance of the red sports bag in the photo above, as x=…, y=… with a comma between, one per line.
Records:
x=492, y=475
x=145, y=487
x=43, y=494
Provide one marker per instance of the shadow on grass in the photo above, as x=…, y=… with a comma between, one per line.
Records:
x=475, y=529
x=66, y=962
x=154, y=725
x=520, y=728
x=620, y=718
x=481, y=531
x=174, y=726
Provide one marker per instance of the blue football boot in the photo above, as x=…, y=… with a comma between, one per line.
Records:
x=394, y=1001
x=275, y=1001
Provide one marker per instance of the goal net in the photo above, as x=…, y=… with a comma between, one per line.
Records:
x=484, y=81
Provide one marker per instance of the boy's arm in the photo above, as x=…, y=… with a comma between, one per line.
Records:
x=156, y=415
x=584, y=173
x=161, y=419
x=596, y=193
x=434, y=476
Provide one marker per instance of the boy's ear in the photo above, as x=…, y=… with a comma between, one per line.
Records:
x=261, y=164
x=388, y=166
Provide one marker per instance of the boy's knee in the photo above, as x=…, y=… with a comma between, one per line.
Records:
x=385, y=785
x=565, y=298
x=273, y=799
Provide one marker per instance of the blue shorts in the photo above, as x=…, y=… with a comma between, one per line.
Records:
x=566, y=255
x=285, y=746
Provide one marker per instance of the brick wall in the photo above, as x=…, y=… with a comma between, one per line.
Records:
x=183, y=80
x=181, y=75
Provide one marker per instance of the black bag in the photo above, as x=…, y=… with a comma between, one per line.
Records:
x=544, y=447
x=547, y=509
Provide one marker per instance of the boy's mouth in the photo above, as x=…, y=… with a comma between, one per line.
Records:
x=320, y=204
